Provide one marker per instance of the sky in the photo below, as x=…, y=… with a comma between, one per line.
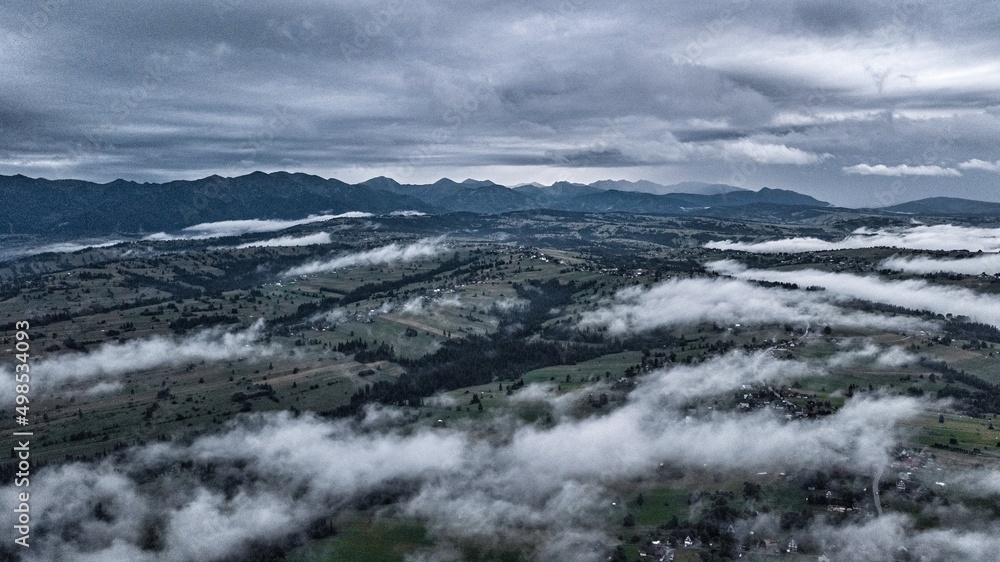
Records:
x=852, y=102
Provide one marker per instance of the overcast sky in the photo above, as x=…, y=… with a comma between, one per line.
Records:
x=850, y=102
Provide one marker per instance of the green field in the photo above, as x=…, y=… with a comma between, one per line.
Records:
x=366, y=539
x=447, y=324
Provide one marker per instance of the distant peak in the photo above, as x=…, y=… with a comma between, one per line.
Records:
x=477, y=183
x=120, y=181
x=381, y=180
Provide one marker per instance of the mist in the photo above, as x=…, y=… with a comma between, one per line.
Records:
x=895, y=535
x=114, y=360
x=289, y=241
x=872, y=354
x=988, y=264
x=729, y=301
x=69, y=247
x=222, y=229
x=936, y=237
x=908, y=293
x=393, y=253
x=532, y=489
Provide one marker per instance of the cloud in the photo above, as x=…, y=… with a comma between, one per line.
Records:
x=771, y=153
x=335, y=316
x=900, y=170
x=113, y=360
x=510, y=303
x=987, y=263
x=678, y=385
x=12, y=251
x=894, y=357
x=224, y=229
x=104, y=388
x=306, y=240
x=392, y=253
x=922, y=237
x=503, y=91
x=419, y=305
x=859, y=435
x=727, y=301
x=979, y=482
x=414, y=305
x=532, y=488
x=682, y=383
x=914, y=294
x=895, y=535
x=870, y=353
x=977, y=164
x=70, y=247
x=299, y=469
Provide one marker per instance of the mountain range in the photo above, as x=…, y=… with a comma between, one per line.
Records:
x=75, y=207
x=947, y=206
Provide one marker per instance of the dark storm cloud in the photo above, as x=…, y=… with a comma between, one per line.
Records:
x=704, y=135
x=518, y=92
x=835, y=17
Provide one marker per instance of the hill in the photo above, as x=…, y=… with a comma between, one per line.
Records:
x=946, y=206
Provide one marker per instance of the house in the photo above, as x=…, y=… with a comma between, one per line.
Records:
x=769, y=544
x=655, y=551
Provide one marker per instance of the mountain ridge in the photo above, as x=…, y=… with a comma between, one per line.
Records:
x=946, y=206
x=73, y=207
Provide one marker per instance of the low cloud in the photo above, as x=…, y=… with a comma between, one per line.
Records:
x=900, y=170
x=896, y=357
x=18, y=251
x=537, y=490
x=914, y=294
x=896, y=537
x=988, y=263
x=70, y=247
x=223, y=229
x=728, y=301
x=113, y=360
x=873, y=354
x=335, y=316
x=415, y=306
x=104, y=388
x=510, y=303
x=421, y=305
x=682, y=383
x=859, y=435
x=937, y=237
x=287, y=241
x=393, y=253
x=977, y=164
x=980, y=482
